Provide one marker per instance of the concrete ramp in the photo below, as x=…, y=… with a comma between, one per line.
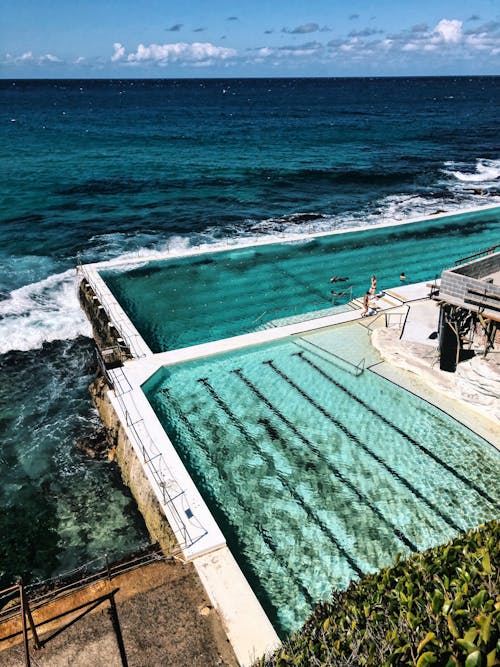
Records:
x=421, y=322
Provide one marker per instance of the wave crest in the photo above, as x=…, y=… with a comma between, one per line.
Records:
x=42, y=312
x=486, y=172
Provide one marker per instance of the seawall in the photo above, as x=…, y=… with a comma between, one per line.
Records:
x=106, y=336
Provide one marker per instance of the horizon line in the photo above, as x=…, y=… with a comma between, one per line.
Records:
x=250, y=78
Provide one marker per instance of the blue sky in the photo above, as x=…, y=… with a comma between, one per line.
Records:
x=203, y=38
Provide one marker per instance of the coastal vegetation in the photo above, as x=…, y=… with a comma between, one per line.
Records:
x=440, y=608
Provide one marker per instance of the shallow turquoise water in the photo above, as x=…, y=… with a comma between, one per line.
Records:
x=184, y=301
x=317, y=474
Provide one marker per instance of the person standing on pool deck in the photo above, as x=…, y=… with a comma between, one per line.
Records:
x=373, y=287
x=368, y=308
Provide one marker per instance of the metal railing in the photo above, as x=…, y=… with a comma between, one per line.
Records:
x=25, y=611
x=297, y=315
x=347, y=292
x=28, y=604
x=151, y=454
x=359, y=368
x=479, y=253
x=153, y=457
x=405, y=320
x=388, y=315
x=97, y=569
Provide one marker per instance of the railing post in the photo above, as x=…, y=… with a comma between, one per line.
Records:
x=25, y=611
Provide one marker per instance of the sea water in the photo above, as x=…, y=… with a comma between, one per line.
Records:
x=93, y=170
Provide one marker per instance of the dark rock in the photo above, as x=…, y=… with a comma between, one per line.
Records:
x=95, y=445
x=302, y=217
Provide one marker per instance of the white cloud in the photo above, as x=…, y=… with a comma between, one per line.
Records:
x=119, y=52
x=49, y=58
x=29, y=58
x=450, y=31
x=283, y=52
x=264, y=52
x=485, y=38
x=181, y=52
x=446, y=39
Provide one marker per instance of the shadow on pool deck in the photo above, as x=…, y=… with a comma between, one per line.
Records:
x=164, y=618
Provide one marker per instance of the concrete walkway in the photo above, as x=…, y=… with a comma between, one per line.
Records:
x=164, y=617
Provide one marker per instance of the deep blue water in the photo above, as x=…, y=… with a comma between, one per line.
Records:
x=106, y=168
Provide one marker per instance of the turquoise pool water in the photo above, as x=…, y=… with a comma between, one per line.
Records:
x=184, y=301
x=317, y=473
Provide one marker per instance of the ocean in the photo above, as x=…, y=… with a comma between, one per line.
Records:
x=98, y=169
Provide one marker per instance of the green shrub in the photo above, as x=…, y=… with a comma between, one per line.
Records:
x=439, y=608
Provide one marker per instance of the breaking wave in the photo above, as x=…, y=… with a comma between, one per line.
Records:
x=485, y=172
x=42, y=312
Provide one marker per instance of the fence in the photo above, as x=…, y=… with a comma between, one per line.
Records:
x=153, y=457
x=36, y=596
x=97, y=569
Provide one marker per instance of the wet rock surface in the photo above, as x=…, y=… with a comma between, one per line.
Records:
x=95, y=445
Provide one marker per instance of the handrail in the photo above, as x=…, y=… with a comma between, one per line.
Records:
x=404, y=323
x=389, y=313
x=276, y=311
x=486, y=251
x=359, y=367
x=107, y=571
x=379, y=315
x=347, y=290
x=154, y=459
x=257, y=319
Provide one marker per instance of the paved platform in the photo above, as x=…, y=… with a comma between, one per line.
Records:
x=164, y=618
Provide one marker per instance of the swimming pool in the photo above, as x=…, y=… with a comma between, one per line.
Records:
x=315, y=471
x=184, y=301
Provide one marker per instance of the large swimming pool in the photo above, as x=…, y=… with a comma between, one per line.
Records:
x=316, y=472
x=184, y=301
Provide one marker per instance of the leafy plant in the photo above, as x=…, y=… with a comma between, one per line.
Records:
x=439, y=608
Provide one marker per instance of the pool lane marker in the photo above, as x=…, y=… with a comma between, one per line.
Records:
x=266, y=538
x=365, y=447
x=398, y=430
x=322, y=458
x=311, y=513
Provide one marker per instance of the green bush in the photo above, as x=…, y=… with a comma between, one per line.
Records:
x=439, y=608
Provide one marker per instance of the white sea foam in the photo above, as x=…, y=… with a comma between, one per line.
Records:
x=486, y=172
x=41, y=312
x=390, y=210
